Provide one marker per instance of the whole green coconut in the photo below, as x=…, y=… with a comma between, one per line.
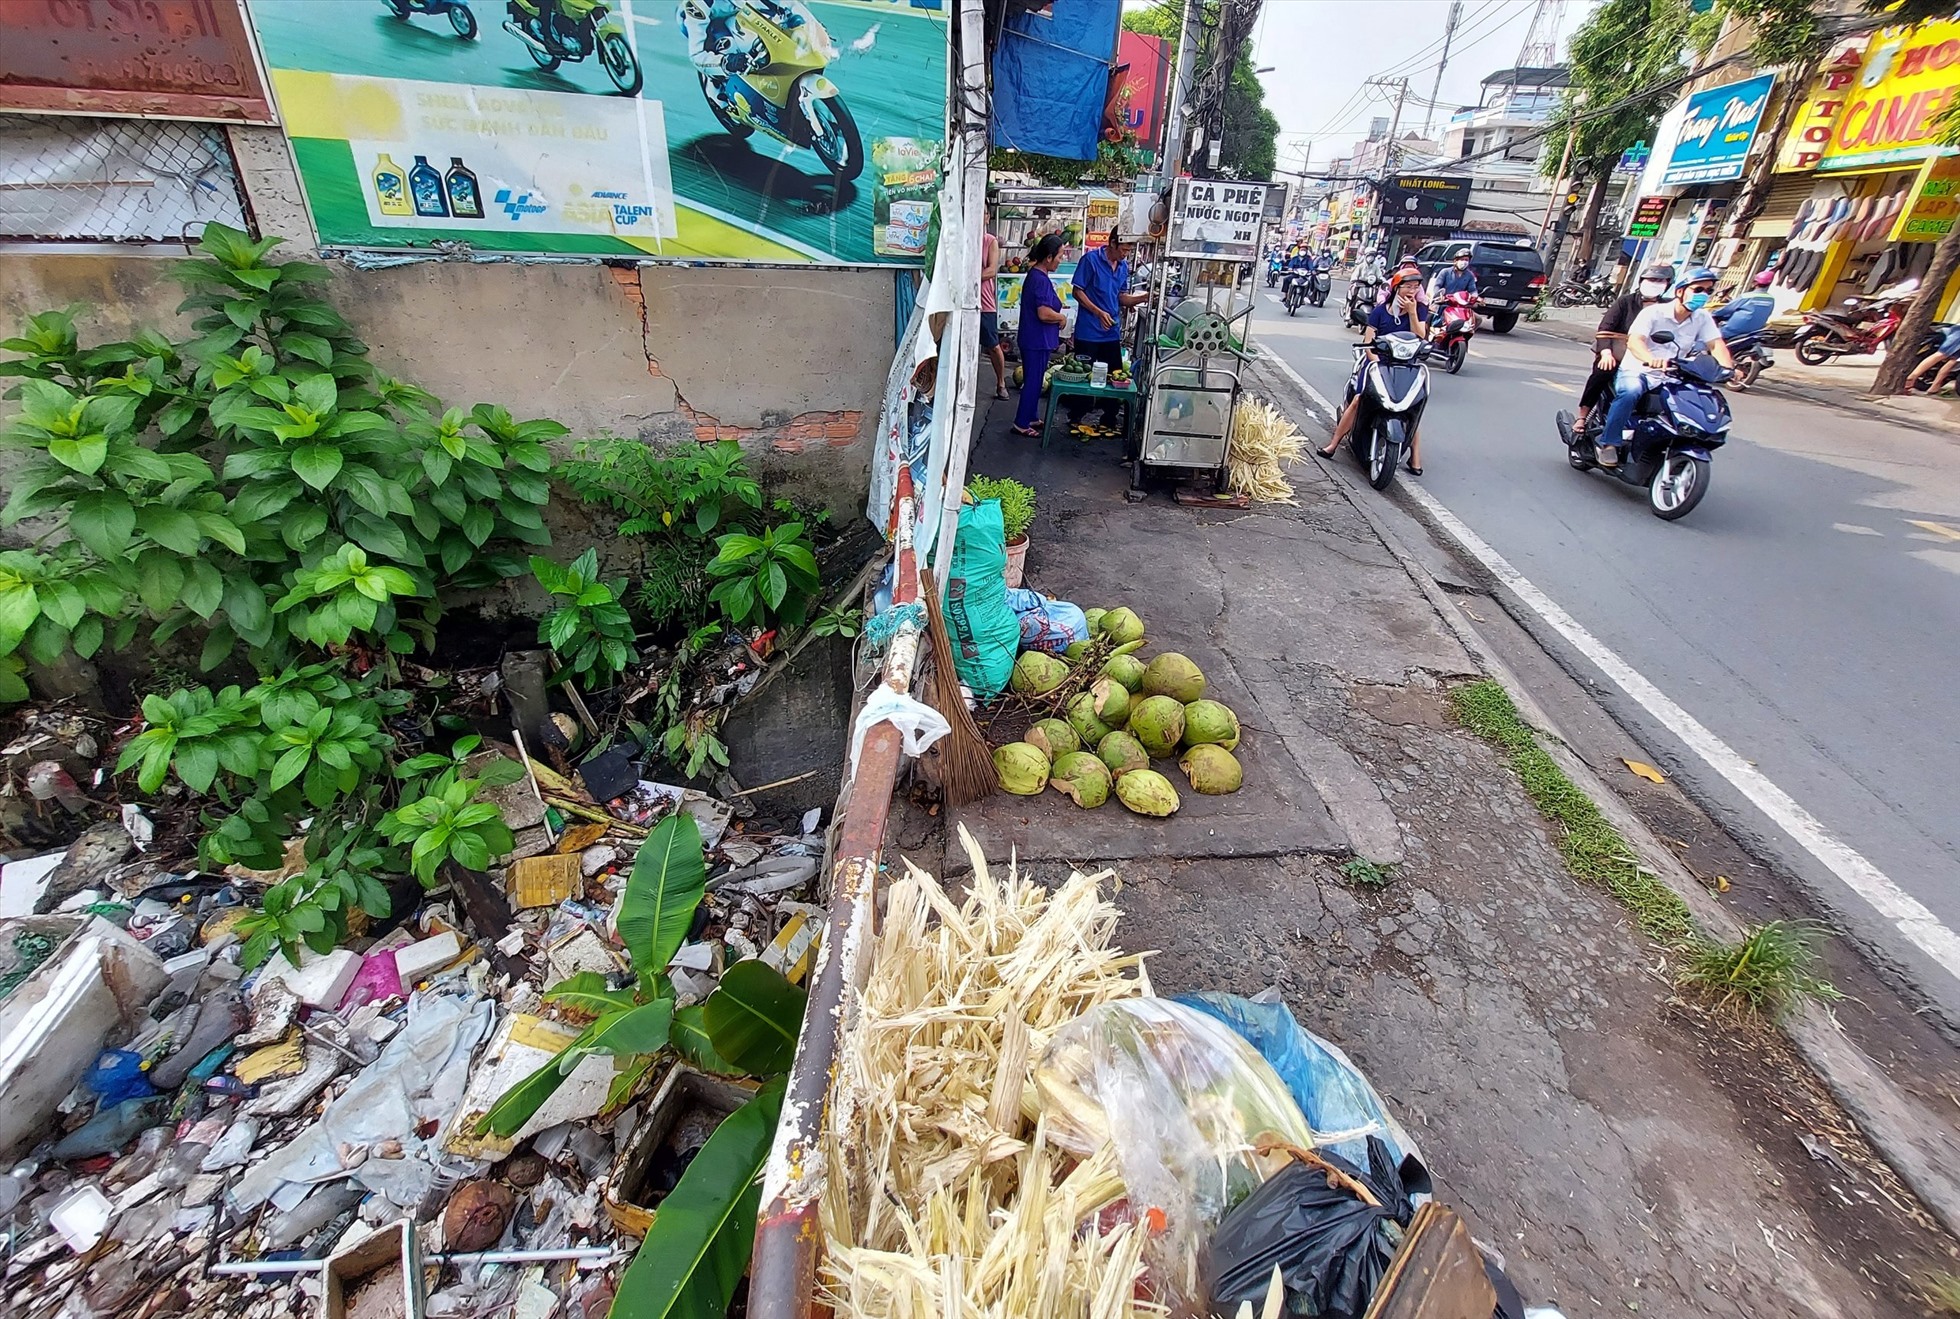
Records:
x=1022, y=769
x=1126, y=669
x=1121, y=626
x=1122, y=753
x=1094, y=616
x=1210, y=721
x=1175, y=676
x=1053, y=738
x=1112, y=701
x=1157, y=722
x=1037, y=673
x=1212, y=769
x=1147, y=792
x=1081, y=778
x=1082, y=718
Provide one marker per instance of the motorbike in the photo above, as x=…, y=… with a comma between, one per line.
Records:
x=1394, y=388
x=1744, y=325
x=1680, y=421
x=1294, y=291
x=1860, y=326
x=1361, y=299
x=555, y=32
x=1592, y=290
x=1456, y=323
x=1319, y=287
x=784, y=92
x=456, y=11
x=1272, y=270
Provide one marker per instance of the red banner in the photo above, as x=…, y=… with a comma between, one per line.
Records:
x=176, y=59
x=1143, y=74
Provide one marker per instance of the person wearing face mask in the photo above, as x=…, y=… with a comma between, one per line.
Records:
x=1686, y=316
x=1401, y=313
x=1455, y=278
x=1610, y=341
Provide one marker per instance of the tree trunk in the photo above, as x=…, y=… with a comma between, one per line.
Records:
x=1589, y=226
x=1753, y=195
x=1903, y=348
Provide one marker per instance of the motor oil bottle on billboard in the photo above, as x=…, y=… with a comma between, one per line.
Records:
x=390, y=188
x=425, y=186
x=465, y=197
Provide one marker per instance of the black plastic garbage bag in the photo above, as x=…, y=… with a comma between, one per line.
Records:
x=1332, y=1248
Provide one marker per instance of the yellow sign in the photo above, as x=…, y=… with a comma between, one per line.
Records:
x=1935, y=203
x=1817, y=114
x=1890, y=114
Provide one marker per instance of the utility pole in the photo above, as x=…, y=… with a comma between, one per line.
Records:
x=1401, y=86
x=1236, y=19
x=1183, y=89
x=1558, y=180
x=1436, y=88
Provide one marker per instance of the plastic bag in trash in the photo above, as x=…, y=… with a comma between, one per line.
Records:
x=1184, y=1101
x=1331, y=1246
x=1050, y=625
x=1337, y=1098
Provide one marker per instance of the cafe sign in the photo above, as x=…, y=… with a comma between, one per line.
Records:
x=1891, y=114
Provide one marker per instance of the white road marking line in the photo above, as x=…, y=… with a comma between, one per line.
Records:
x=1853, y=529
x=1906, y=913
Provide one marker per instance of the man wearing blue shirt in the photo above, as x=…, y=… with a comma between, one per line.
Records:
x=1101, y=277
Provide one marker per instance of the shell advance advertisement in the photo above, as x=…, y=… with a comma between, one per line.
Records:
x=721, y=130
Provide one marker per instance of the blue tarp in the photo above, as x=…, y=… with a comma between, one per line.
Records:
x=1051, y=77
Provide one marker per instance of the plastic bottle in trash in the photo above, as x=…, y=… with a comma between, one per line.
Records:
x=112, y=1128
x=311, y=1214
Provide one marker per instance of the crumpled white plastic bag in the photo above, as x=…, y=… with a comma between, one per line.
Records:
x=918, y=724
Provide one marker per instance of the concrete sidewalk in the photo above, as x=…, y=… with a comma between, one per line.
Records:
x=1844, y=384
x=1626, y=1148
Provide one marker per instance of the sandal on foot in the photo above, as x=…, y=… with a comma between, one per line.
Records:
x=1412, y=469
x=1028, y=431
x=1327, y=453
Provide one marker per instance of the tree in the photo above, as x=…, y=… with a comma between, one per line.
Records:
x=1249, y=147
x=1627, y=56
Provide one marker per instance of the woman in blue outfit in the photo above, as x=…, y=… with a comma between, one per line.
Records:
x=1040, y=331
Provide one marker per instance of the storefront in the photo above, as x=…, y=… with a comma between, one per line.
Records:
x=1864, y=186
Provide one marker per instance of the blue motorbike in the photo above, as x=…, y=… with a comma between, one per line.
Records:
x=461, y=20
x=1678, y=424
x=1745, y=323
x=1272, y=270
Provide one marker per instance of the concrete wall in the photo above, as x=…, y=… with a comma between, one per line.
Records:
x=790, y=362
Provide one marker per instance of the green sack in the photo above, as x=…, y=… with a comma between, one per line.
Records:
x=986, y=634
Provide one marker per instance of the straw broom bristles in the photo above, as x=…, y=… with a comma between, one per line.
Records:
x=960, y=762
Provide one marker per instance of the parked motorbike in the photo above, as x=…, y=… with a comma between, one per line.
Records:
x=1455, y=324
x=784, y=92
x=1319, y=287
x=1272, y=270
x=556, y=32
x=456, y=11
x=1860, y=326
x=1594, y=290
x=1362, y=290
x=1394, y=388
x=1294, y=291
x=1744, y=325
x=1680, y=421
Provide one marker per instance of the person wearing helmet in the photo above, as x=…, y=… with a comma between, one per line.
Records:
x=1610, y=341
x=716, y=46
x=1686, y=316
x=1404, y=269
x=1404, y=313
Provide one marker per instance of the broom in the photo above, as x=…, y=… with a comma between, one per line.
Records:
x=963, y=765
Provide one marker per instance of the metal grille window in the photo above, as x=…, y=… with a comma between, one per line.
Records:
x=69, y=178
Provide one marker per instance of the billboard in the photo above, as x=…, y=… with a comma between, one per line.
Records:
x=1712, y=143
x=1647, y=218
x=793, y=131
x=1145, y=65
x=1219, y=218
x=1414, y=203
x=1892, y=114
x=172, y=59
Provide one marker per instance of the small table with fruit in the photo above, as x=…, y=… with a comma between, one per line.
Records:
x=1071, y=378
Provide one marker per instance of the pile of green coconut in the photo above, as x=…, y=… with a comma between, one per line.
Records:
x=1123, y=714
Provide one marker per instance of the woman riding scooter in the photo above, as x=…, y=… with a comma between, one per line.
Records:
x=1402, y=312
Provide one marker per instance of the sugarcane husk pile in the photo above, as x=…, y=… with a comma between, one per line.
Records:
x=944, y=1195
x=1264, y=443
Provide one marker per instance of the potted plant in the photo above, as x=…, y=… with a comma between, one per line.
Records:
x=1016, y=516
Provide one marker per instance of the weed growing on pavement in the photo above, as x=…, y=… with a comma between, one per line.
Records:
x=1768, y=968
x=1592, y=848
x=1943, y=1293
x=1363, y=873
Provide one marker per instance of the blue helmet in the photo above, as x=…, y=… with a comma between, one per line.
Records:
x=1696, y=275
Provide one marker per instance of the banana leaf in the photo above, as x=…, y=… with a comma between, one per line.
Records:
x=587, y=992
x=699, y=1245
x=669, y=876
x=635, y=1030
x=754, y=1018
x=693, y=1042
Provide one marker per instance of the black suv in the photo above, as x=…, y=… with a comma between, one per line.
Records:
x=1509, y=274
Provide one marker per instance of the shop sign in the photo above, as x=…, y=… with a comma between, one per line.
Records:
x=1412, y=203
x=1712, y=142
x=1144, y=63
x=1935, y=204
x=408, y=135
x=1647, y=217
x=1218, y=218
x=172, y=59
x=1890, y=114
x=1814, y=118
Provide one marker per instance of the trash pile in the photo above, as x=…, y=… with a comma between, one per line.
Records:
x=184, y=1135
x=1018, y=1126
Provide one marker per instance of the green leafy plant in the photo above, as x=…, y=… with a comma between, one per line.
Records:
x=1769, y=969
x=690, y=739
x=1016, y=502
x=770, y=578
x=591, y=631
x=838, y=622
x=446, y=823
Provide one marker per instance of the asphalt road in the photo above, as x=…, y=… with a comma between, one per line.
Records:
x=891, y=83
x=1806, y=612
